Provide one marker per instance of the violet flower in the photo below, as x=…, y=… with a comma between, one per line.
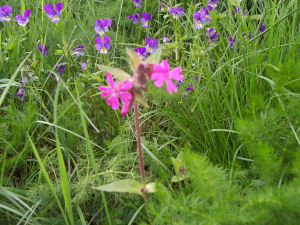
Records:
x=83, y=65
x=262, y=29
x=232, y=42
x=165, y=39
x=116, y=91
x=79, y=50
x=137, y=3
x=22, y=21
x=53, y=14
x=190, y=88
x=237, y=9
x=162, y=5
x=101, y=26
x=44, y=49
x=151, y=45
x=146, y=17
x=185, y=94
x=201, y=17
x=141, y=52
x=177, y=12
x=134, y=18
x=250, y=36
x=212, y=4
x=102, y=45
x=5, y=13
x=61, y=69
x=162, y=73
x=20, y=93
x=213, y=34
x=25, y=79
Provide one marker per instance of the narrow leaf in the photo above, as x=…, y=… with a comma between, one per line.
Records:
x=128, y=186
x=118, y=73
x=155, y=57
x=134, y=59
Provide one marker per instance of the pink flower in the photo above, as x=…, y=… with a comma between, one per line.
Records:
x=161, y=73
x=116, y=91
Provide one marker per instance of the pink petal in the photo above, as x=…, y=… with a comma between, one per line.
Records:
x=126, y=86
x=126, y=97
x=156, y=76
x=170, y=86
x=113, y=102
x=175, y=73
x=110, y=80
x=159, y=82
x=125, y=109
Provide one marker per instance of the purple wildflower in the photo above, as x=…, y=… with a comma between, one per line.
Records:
x=25, y=79
x=250, y=36
x=177, y=12
x=44, y=49
x=83, y=65
x=137, y=3
x=134, y=18
x=151, y=45
x=22, y=21
x=61, y=69
x=79, y=50
x=201, y=17
x=53, y=14
x=146, y=17
x=165, y=39
x=262, y=29
x=197, y=77
x=162, y=5
x=212, y=4
x=141, y=52
x=20, y=93
x=237, y=9
x=190, y=88
x=5, y=13
x=232, y=42
x=185, y=94
x=102, y=45
x=245, y=13
x=213, y=34
x=101, y=26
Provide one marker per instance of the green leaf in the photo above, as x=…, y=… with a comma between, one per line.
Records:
x=127, y=186
x=134, y=59
x=141, y=100
x=118, y=73
x=155, y=57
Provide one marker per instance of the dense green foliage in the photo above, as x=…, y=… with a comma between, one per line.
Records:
x=233, y=143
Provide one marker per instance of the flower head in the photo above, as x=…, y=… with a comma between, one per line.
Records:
x=213, y=34
x=201, y=17
x=137, y=3
x=20, y=93
x=177, y=12
x=151, y=45
x=102, y=45
x=262, y=29
x=101, y=26
x=141, y=52
x=190, y=88
x=116, y=91
x=162, y=5
x=79, y=50
x=61, y=69
x=212, y=4
x=53, y=14
x=134, y=18
x=238, y=10
x=25, y=79
x=146, y=17
x=250, y=36
x=165, y=39
x=5, y=13
x=83, y=65
x=161, y=73
x=22, y=21
x=44, y=49
x=232, y=42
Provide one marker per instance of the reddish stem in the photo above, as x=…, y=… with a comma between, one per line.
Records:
x=138, y=140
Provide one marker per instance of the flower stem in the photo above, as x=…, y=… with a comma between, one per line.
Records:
x=138, y=140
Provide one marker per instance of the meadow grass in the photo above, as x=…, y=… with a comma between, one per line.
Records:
x=235, y=135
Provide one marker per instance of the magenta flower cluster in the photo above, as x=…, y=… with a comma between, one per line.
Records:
x=126, y=90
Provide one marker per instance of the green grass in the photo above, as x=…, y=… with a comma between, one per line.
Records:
x=238, y=130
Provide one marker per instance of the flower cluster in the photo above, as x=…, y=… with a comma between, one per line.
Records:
x=126, y=90
x=145, y=19
x=150, y=47
x=201, y=17
x=102, y=43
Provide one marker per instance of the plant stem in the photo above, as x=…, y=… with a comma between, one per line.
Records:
x=138, y=140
